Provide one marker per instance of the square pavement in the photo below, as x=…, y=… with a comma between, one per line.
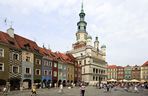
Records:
x=90, y=91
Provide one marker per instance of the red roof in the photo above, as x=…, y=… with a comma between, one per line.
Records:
x=63, y=57
x=48, y=53
x=5, y=38
x=145, y=64
x=24, y=42
x=120, y=67
x=111, y=66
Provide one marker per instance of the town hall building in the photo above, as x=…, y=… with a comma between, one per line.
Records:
x=91, y=57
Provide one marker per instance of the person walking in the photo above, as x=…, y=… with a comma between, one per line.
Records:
x=136, y=89
x=61, y=88
x=33, y=91
x=82, y=90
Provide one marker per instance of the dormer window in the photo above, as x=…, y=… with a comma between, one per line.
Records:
x=27, y=46
x=11, y=42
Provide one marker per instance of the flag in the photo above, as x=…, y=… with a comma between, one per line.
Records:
x=5, y=21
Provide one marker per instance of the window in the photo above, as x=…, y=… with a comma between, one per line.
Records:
x=15, y=69
x=15, y=56
x=80, y=62
x=96, y=70
x=1, y=66
x=55, y=64
x=85, y=27
x=45, y=72
x=27, y=58
x=28, y=70
x=93, y=78
x=93, y=70
x=84, y=62
x=50, y=72
x=50, y=63
x=45, y=63
x=1, y=52
x=38, y=61
x=55, y=73
x=79, y=27
x=38, y=71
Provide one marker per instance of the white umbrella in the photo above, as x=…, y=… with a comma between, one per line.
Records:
x=112, y=80
x=134, y=80
x=124, y=80
x=142, y=81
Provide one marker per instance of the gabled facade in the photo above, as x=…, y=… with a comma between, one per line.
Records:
x=54, y=68
x=46, y=68
x=37, y=67
x=62, y=69
x=13, y=58
x=28, y=48
x=112, y=72
x=4, y=58
x=77, y=69
x=128, y=72
x=144, y=71
x=120, y=73
x=136, y=72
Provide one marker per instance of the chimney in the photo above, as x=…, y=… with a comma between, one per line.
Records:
x=10, y=32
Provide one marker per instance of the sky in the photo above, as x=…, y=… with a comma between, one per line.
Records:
x=122, y=25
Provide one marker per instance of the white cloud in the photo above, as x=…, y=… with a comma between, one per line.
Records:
x=120, y=24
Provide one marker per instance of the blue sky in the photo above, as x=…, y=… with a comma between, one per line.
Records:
x=120, y=24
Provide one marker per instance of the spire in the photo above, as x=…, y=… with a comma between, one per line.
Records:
x=82, y=11
x=81, y=34
x=82, y=24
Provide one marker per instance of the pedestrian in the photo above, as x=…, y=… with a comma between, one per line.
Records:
x=107, y=87
x=136, y=89
x=61, y=88
x=33, y=91
x=4, y=90
x=50, y=85
x=55, y=85
x=82, y=90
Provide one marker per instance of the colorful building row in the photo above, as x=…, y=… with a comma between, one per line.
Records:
x=23, y=63
x=128, y=72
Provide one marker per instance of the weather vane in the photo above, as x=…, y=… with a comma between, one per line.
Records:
x=11, y=23
x=7, y=22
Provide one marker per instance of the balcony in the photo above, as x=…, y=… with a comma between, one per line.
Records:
x=27, y=75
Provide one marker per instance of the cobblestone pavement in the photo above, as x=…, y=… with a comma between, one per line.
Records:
x=90, y=91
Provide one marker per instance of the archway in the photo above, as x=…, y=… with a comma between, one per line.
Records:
x=2, y=82
x=59, y=82
x=26, y=83
x=37, y=82
x=14, y=83
x=44, y=83
x=64, y=83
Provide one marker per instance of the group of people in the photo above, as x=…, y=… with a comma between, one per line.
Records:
x=134, y=87
x=82, y=90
